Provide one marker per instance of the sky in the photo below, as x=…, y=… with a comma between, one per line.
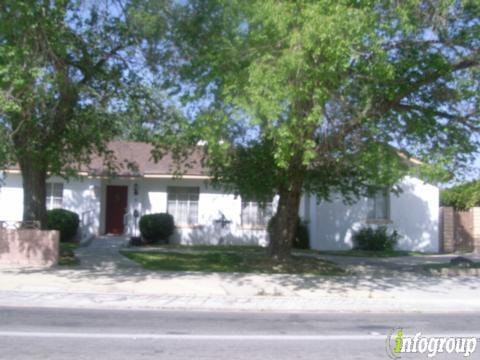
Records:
x=476, y=165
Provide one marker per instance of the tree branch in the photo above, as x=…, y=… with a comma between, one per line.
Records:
x=462, y=119
x=429, y=79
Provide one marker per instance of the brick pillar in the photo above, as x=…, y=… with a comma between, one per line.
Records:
x=448, y=228
x=476, y=229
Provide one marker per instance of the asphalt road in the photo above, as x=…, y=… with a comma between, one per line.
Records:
x=34, y=333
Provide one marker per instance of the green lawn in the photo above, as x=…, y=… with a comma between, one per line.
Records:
x=208, y=248
x=67, y=257
x=255, y=249
x=229, y=259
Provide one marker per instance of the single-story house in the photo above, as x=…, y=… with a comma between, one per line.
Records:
x=203, y=214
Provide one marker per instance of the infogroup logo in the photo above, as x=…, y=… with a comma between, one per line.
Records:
x=398, y=344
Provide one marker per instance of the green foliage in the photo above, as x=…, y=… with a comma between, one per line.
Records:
x=64, y=221
x=462, y=196
x=375, y=239
x=247, y=162
x=302, y=240
x=230, y=259
x=69, y=73
x=149, y=114
x=67, y=255
x=322, y=89
x=157, y=227
x=302, y=235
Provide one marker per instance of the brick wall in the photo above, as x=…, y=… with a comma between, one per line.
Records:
x=476, y=229
x=451, y=228
x=447, y=229
x=28, y=247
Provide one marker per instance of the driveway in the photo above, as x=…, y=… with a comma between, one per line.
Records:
x=103, y=254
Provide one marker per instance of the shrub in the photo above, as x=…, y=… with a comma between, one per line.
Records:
x=302, y=238
x=64, y=221
x=156, y=227
x=375, y=239
x=461, y=197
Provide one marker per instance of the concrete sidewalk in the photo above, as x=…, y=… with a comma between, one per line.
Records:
x=108, y=280
x=319, y=304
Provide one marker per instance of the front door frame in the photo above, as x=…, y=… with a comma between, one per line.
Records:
x=119, y=222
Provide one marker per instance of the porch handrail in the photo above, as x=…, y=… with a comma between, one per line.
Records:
x=88, y=217
x=15, y=225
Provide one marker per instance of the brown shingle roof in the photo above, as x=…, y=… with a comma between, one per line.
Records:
x=127, y=158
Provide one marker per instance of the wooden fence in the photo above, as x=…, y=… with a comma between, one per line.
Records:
x=460, y=230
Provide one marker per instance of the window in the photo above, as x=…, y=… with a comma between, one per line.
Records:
x=255, y=214
x=379, y=205
x=182, y=204
x=54, y=195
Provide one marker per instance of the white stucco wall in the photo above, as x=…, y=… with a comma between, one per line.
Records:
x=83, y=196
x=334, y=224
x=87, y=197
x=212, y=204
x=413, y=213
x=11, y=197
x=79, y=195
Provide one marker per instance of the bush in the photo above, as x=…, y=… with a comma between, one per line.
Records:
x=302, y=238
x=64, y=221
x=461, y=197
x=375, y=239
x=156, y=227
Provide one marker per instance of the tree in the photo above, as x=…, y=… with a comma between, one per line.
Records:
x=462, y=196
x=68, y=72
x=326, y=96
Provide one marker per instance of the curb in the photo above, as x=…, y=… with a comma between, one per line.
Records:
x=452, y=272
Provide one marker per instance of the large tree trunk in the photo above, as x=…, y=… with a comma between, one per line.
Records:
x=34, y=192
x=285, y=221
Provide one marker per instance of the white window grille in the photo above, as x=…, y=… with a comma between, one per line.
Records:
x=182, y=204
x=255, y=214
x=54, y=195
x=379, y=205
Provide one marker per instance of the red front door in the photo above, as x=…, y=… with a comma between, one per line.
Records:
x=117, y=199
